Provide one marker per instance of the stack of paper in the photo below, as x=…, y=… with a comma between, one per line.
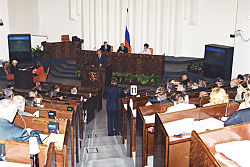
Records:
x=187, y=125
x=149, y=119
x=238, y=151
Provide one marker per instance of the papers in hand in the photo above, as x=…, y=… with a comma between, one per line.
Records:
x=238, y=151
x=149, y=119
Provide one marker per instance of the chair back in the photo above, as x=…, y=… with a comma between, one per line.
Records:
x=65, y=38
x=44, y=78
x=151, y=50
x=129, y=49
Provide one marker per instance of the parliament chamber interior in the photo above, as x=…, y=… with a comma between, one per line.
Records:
x=124, y=83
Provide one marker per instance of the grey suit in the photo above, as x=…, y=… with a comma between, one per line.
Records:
x=14, y=132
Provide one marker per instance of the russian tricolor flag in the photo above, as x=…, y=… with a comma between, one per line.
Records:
x=127, y=38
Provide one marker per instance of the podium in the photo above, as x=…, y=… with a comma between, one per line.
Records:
x=24, y=79
x=97, y=77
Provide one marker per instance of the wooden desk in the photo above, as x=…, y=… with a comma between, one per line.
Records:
x=202, y=145
x=126, y=62
x=85, y=92
x=24, y=79
x=61, y=114
x=176, y=153
x=14, y=155
x=131, y=125
x=61, y=49
x=42, y=125
x=122, y=114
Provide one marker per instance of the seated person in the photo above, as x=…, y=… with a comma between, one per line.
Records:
x=181, y=88
x=184, y=80
x=238, y=117
x=246, y=103
x=73, y=93
x=8, y=110
x=202, y=86
x=234, y=83
x=241, y=90
x=8, y=93
x=122, y=49
x=203, y=93
x=217, y=96
x=56, y=92
x=105, y=47
x=20, y=101
x=240, y=78
x=178, y=98
x=14, y=67
x=219, y=82
x=161, y=96
x=146, y=49
x=39, y=70
x=126, y=92
x=99, y=60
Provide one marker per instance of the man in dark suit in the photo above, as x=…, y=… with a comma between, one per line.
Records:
x=105, y=47
x=100, y=60
x=112, y=93
x=122, y=49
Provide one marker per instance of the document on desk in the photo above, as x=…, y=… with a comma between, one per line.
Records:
x=238, y=151
x=149, y=119
x=12, y=164
x=134, y=112
x=187, y=125
x=210, y=123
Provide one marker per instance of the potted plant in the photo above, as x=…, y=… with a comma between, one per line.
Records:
x=37, y=52
x=196, y=67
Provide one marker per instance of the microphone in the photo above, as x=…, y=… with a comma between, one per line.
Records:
x=224, y=118
x=50, y=102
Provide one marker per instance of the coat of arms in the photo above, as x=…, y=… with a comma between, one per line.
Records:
x=93, y=76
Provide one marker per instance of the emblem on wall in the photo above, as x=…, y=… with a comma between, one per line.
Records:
x=93, y=76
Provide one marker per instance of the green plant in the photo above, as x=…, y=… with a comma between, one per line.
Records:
x=38, y=52
x=129, y=77
x=78, y=73
x=141, y=78
x=196, y=67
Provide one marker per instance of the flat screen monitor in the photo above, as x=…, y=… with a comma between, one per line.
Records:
x=19, y=43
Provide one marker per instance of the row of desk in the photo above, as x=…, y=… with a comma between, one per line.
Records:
x=69, y=116
x=146, y=143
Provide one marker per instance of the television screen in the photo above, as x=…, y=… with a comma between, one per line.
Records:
x=19, y=43
x=215, y=56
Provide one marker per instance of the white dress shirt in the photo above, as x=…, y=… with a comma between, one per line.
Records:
x=147, y=51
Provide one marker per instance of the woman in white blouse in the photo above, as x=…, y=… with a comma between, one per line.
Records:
x=178, y=98
x=146, y=49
